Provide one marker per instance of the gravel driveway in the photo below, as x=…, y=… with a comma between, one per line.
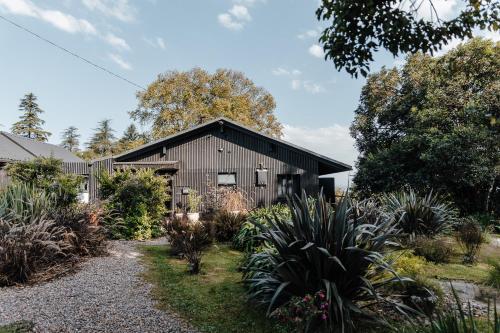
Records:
x=105, y=295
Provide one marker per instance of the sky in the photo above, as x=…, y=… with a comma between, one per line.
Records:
x=274, y=42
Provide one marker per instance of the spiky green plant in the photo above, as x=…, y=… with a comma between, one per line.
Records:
x=340, y=251
x=22, y=202
x=419, y=215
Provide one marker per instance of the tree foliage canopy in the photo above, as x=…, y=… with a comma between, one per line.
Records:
x=360, y=28
x=179, y=100
x=433, y=124
x=30, y=123
x=102, y=141
x=70, y=139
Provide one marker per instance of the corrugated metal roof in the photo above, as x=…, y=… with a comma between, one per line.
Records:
x=18, y=148
x=331, y=165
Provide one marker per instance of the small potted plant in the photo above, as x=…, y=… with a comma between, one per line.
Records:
x=179, y=212
x=193, y=201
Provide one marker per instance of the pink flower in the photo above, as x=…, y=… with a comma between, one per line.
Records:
x=324, y=316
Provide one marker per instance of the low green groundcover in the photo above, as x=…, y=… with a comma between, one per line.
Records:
x=213, y=301
x=17, y=327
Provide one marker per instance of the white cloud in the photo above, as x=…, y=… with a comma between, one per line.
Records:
x=316, y=51
x=333, y=141
x=235, y=18
x=58, y=19
x=119, y=9
x=240, y=13
x=296, y=84
x=313, y=33
x=161, y=43
x=119, y=61
x=280, y=71
x=116, y=42
x=313, y=88
x=493, y=35
x=307, y=85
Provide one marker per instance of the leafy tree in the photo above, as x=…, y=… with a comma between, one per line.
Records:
x=360, y=28
x=432, y=124
x=102, y=141
x=46, y=173
x=131, y=139
x=70, y=139
x=179, y=100
x=30, y=124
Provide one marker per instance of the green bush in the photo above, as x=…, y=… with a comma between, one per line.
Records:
x=139, y=198
x=246, y=238
x=470, y=236
x=494, y=274
x=419, y=215
x=435, y=250
x=323, y=249
x=23, y=202
x=46, y=173
x=227, y=224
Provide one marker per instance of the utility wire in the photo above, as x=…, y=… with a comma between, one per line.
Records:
x=72, y=53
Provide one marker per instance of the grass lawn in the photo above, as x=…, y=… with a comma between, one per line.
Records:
x=19, y=327
x=213, y=301
x=456, y=270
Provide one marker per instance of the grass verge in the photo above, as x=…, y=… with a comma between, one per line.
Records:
x=213, y=301
x=17, y=327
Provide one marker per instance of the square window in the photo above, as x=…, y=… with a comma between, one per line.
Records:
x=261, y=177
x=226, y=179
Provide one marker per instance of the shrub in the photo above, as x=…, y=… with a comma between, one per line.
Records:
x=227, y=224
x=435, y=250
x=193, y=201
x=454, y=319
x=175, y=230
x=323, y=249
x=407, y=264
x=194, y=241
x=86, y=224
x=470, y=237
x=46, y=173
x=246, y=238
x=416, y=215
x=23, y=202
x=140, y=200
x=27, y=248
x=494, y=274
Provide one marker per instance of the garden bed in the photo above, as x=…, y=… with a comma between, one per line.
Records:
x=214, y=300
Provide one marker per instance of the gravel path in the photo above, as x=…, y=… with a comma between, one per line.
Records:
x=105, y=295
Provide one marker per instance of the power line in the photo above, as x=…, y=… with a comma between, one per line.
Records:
x=72, y=53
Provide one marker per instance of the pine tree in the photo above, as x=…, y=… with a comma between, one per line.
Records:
x=70, y=139
x=130, y=139
x=102, y=141
x=30, y=124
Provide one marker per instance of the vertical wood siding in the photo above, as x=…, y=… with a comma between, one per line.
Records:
x=204, y=155
x=94, y=170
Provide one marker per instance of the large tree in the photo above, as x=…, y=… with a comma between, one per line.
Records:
x=70, y=139
x=130, y=139
x=179, y=100
x=357, y=29
x=30, y=123
x=103, y=140
x=433, y=125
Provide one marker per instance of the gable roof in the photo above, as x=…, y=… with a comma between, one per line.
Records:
x=326, y=164
x=17, y=148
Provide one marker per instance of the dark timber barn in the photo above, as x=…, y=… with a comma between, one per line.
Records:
x=224, y=153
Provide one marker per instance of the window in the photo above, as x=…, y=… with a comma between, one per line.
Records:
x=226, y=179
x=261, y=177
x=288, y=185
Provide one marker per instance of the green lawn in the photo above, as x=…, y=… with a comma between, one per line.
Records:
x=456, y=270
x=213, y=301
x=18, y=327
